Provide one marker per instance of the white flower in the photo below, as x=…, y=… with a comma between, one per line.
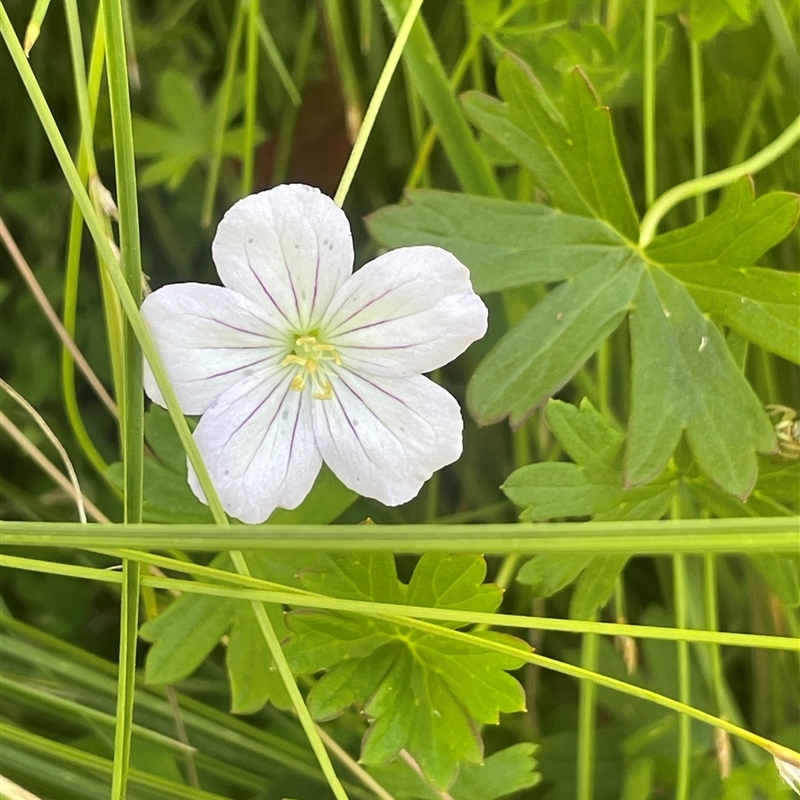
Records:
x=790, y=772
x=297, y=359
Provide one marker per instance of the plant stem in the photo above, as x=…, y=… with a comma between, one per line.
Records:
x=649, y=102
x=684, y=683
x=132, y=402
x=251, y=97
x=698, y=122
x=587, y=712
x=375, y=103
x=715, y=180
x=285, y=672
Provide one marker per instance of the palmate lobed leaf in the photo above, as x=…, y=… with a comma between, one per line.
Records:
x=678, y=291
x=189, y=135
x=185, y=633
x=570, y=150
x=592, y=486
x=503, y=773
x=422, y=691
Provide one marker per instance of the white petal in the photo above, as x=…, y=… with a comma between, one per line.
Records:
x=384, y=440
x=209, y=338
x=257, y=442
x=288, y=248
x=408, y=311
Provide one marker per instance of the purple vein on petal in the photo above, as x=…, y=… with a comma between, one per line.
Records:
x=366, y=405
x=338, y=331
x=316, y=282
x=357, y=311
x=268, y=428
x=264, y=288
x=291, y=282
x=256, y=409
x=227, y=371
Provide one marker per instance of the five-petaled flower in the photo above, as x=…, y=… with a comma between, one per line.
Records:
x=297, y=359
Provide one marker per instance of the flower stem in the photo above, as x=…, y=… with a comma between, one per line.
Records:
x=715, y=180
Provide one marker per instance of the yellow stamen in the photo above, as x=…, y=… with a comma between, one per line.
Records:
x=313, y=359
x=294, y=359
x=326, y=393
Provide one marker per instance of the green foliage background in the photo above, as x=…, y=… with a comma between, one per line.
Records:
x=635, y=348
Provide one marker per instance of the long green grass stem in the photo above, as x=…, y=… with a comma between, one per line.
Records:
x=132, y=405
x=283, y=150
x=472, y=168
x=229, y=75
x=334, y=14
x=785, y=40
x=587, y=717
x=132, y=402
x=375, y=103
x=87, y=91
x=274, y=55
x=467, y=57
x=715, y=180
x=282, y=665
x=545, y=662
x=250, y=97
x=698, y=122
x=684, y=682
x=221, y=583
x=35, y=24
x=750, y=118
x=650, y=537
x=649, y=102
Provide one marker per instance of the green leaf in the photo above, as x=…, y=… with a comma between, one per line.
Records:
x=185, y=633
x=501, y=774
x=714, y=259
x=592, y=486
x=539, y=355
x=760, y=304
x=504, y=244
x=596, y=585
x=188, y=135
x=550, y=572
x=251, y=672
x=677, y=291
x=696, y=387
x=737, y=234
x=423, y=692
x=570, y=151
x=707, y=18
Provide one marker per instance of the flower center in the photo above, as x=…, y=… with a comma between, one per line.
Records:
x=312, y=359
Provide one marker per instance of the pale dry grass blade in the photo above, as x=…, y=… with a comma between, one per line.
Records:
x=30, y=279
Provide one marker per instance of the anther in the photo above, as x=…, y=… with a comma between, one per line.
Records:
x=326, y=393
x=294, y=359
